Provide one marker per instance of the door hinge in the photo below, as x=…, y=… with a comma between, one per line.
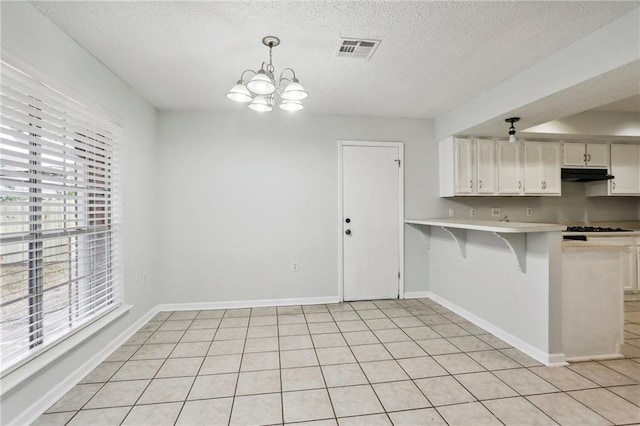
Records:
x=398, y=161
x=398, y=274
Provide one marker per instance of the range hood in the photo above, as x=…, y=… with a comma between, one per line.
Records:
x=585, y=175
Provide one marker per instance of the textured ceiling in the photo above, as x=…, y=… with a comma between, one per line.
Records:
x=434, y=56
x=630, y=104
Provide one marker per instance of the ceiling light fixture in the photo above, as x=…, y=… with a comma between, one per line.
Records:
x=260, y=91
x=512, y=129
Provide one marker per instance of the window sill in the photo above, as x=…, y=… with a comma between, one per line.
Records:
x=14, y=376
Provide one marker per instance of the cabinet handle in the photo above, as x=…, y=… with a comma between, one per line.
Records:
x=613, y=184
x=584, y=157
x=480, y=184
x=519, y=184
x=471, y=184
x=588, y=158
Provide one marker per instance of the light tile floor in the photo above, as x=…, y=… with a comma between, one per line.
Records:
x=383, y=362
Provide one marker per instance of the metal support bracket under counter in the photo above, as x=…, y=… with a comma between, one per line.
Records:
x=513, y=234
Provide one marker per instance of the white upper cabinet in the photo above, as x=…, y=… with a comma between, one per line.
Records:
x=579, y=154
x=625, y=166
x=542, y=168
x=597, y=155
x=486, y=166
x=464, y=156
x=467, y=167
x=509, y=168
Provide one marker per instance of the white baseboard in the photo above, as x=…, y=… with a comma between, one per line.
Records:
x=416, y=294
x=235, y=304
x=41, y=405
x=548, y=359
x=594, y=357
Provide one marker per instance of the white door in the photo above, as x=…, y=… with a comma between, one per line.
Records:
x=371, y=221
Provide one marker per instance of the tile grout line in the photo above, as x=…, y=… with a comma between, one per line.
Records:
x=409, y=308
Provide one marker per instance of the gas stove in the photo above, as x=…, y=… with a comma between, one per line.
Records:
x=595, y=229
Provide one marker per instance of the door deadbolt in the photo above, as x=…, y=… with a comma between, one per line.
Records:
x=348, y=232
x=347, y=220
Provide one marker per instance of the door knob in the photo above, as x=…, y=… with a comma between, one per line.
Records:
x=348, y=232
x=347, y=220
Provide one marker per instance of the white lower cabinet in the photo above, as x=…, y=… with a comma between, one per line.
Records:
x=637, y=269
x=628, y=276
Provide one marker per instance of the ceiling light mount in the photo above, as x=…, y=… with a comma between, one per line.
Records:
x=260, y=91
x=512, y=129
x=271, y=41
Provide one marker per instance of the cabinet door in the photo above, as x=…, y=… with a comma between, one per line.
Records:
x=637, y=283
x=551, y=168
x=574, y=154
x=509, y=167
x=464, y=165
x=486, y=166
x=629, y=271
x=625, y=166
x=533, y=168
x=598, y=155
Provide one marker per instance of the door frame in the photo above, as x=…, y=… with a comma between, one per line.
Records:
x=376, y=144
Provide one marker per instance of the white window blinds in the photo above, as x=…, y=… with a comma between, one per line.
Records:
x=59, y=215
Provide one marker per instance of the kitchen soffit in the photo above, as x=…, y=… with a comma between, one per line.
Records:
x=434, y=56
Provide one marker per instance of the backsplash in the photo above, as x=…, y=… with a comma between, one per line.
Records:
x=572, y=207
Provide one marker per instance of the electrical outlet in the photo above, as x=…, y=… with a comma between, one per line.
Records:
x=452, y=212
x=295, y=267
x=529, y=212
x=473, y=213
x=495, y=212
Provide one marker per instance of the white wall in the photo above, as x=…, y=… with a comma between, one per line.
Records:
x=27, y=35
x=571, y=207
x=488, y=284
x=242, y=195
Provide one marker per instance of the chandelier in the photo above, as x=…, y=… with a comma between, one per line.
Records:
x=260, y=91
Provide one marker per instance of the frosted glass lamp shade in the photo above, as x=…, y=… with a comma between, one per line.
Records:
x=261, y=84
x=239, y=93
x=512, y=138
x=294, y=91
x=260, y=103
x=291, y=105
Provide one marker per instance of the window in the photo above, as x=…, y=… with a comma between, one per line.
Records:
x=59, y=264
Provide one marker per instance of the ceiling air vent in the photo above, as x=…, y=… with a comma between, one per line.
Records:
x=357, y=48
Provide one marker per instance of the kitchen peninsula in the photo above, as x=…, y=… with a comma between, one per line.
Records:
x=507, y=277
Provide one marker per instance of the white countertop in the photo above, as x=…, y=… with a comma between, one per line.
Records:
x=490, y=225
